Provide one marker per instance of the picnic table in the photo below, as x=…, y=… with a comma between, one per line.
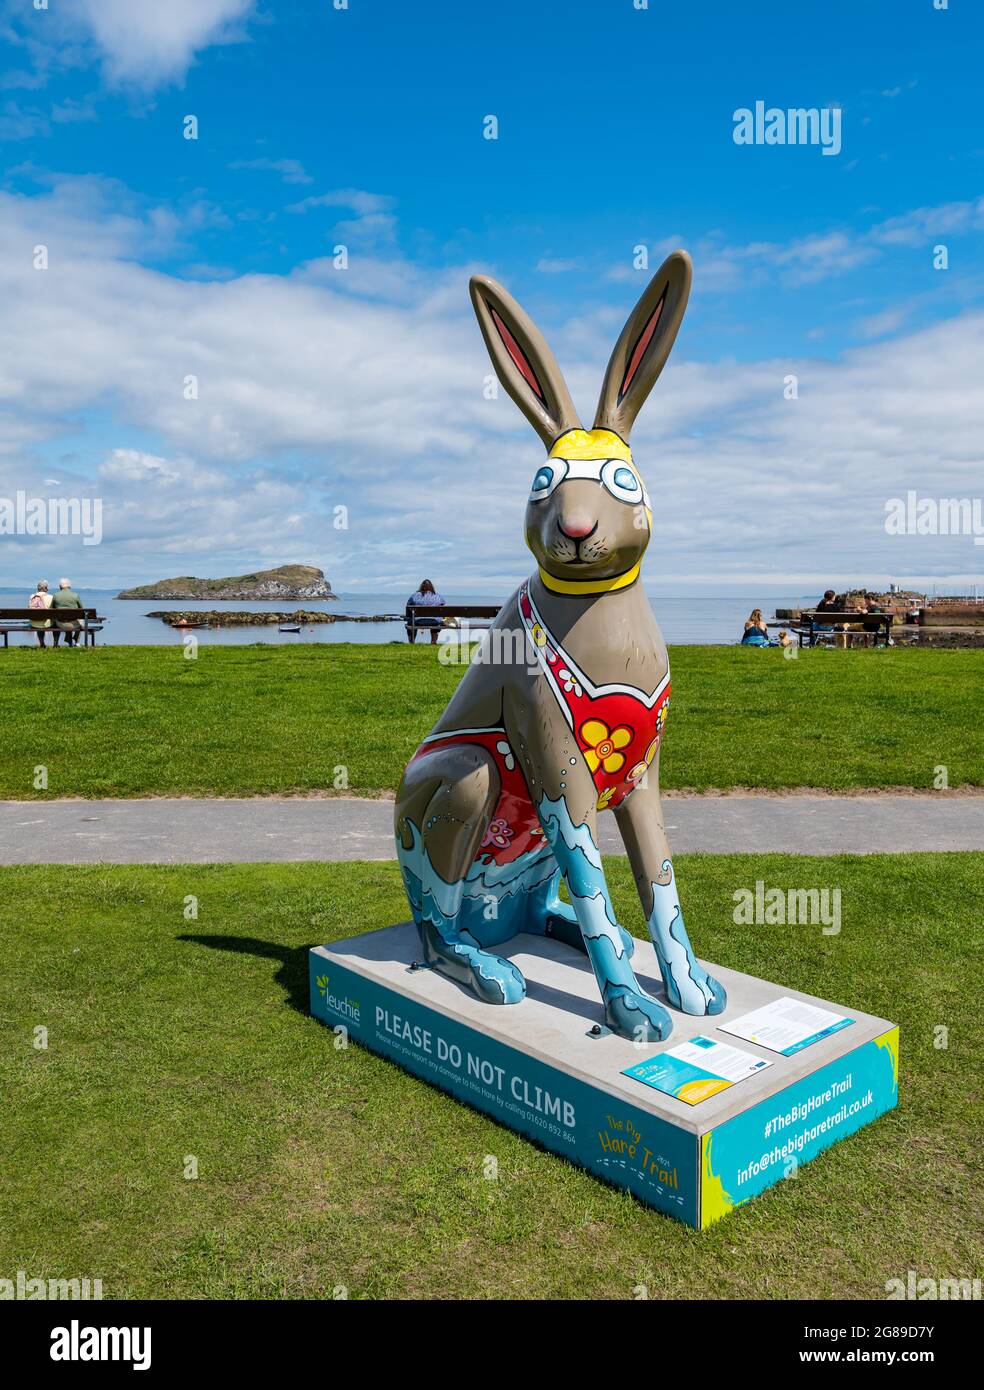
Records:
x=813, y=626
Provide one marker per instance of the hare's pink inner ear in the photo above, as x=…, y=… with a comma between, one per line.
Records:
x=642, y=343
x=523, y=362
x=517, y=355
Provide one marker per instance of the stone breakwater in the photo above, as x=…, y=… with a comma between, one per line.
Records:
x=300, y=618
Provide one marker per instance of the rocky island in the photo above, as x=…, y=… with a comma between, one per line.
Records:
x=287, y=582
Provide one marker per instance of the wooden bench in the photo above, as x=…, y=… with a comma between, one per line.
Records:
x=813, y=626
x=417, y=611
x=21, y=619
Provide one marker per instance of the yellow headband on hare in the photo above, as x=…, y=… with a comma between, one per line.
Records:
x=590, y=444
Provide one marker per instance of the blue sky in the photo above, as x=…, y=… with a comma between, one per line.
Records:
x=363, y=388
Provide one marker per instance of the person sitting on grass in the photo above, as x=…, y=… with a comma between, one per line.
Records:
x=40, y=599
x=66, y=598
x=756, y=630
x=427, y=596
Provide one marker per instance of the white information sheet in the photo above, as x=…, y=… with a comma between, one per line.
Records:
x=786, y=1025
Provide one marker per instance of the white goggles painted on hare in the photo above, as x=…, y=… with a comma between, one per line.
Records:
x=615, y=476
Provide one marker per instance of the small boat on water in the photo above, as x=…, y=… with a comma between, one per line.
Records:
x=289, y=629
x=183, y=623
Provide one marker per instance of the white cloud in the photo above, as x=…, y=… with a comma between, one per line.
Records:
x=71, y=112
x=721, y=267
x=918, y=227
x=154, y=41
x=365, y=204
x=549, y=265
x=134, y=466
x=885, y=322
x=290, y=170
x=22, y=123
x=373, y=225
x=364, y=388
x=815, y=258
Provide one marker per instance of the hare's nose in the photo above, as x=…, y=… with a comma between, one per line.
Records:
x=576, y=525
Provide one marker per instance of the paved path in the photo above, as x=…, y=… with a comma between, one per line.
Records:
x=268, y=828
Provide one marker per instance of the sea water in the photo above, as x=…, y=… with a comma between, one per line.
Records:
x=699, y=619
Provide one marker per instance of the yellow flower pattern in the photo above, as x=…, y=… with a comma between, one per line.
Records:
x=603, y=745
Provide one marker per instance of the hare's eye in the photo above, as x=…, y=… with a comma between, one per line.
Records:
x=621, y=481
x=547, y=479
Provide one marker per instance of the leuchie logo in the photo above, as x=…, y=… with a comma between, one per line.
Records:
x=348, y=1008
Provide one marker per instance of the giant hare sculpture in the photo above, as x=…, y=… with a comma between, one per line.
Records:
x=502, y=797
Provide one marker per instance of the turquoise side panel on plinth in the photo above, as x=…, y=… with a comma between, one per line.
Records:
x=747, y=1154
x=614, y=1140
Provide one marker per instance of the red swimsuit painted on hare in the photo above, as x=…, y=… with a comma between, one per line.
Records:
x=616, y=727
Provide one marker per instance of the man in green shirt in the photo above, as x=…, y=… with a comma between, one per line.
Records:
x=66, y=598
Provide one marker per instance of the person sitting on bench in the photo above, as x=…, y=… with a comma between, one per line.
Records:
x=66, y=598
x=40, y=600
x=427, y=596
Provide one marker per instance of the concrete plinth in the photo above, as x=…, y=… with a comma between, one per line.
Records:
x=537, y=1067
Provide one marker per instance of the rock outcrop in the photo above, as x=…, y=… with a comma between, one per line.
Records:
x=287, y=582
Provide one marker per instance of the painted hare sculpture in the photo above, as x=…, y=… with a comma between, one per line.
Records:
x=502, y=798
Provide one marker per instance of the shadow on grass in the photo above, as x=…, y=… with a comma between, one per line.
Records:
x=292, y=976
x=293, y=973
x=294, y=979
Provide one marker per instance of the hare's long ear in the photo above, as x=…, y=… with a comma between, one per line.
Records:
x=644, y=346
x=523, y=362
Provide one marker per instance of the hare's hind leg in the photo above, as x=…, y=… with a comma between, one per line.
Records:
x=550, y=915
x=443, y=810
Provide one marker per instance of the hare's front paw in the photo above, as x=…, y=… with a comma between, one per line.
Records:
x=632, y=1014
x=695, y=992
x=495, y=980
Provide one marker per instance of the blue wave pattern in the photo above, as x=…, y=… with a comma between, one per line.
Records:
x=491, y=904
x=459, y=923
x=629, y=1011
x=688, y=985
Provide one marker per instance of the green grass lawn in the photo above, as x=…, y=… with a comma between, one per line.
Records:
x=139, y=721
x=317, y=1168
